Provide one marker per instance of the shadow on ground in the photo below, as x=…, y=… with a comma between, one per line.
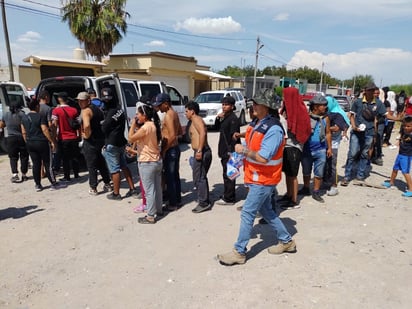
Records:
x=17, y=213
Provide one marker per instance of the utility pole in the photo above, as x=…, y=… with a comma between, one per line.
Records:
x=353, y=85
x=321, y=77
x=242, y=67
x=258, y=47
x=6, y=37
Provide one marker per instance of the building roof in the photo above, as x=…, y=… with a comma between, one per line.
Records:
x=212, y=74
x=33, y=60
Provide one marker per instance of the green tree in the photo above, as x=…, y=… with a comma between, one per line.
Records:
x=99, y=25
x=232, y=71
x=361, y=81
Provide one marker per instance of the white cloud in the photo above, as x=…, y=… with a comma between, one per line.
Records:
x=386, y=65
x=281, y=17
x=155, y=43
x=29, y=37
x=215, y=26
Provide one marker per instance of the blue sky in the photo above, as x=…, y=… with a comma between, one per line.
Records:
x=350, y=37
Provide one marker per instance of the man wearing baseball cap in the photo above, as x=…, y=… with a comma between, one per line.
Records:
x=362, y=118
x=93, y=142
x=263, y=170
x=171, y=129
x=317, y=148
x=68, y=138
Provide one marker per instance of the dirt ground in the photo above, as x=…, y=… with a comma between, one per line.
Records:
x=67, y=249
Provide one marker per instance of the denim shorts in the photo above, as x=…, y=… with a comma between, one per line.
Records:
x=115, y=158
x=403, y=164
x=317, y=159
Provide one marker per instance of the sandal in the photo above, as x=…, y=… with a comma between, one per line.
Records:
x=140, y=208
x=145, y=220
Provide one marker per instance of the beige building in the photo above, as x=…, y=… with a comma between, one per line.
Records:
x=180, y=71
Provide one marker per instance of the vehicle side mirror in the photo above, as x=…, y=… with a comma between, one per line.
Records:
x=185, y=99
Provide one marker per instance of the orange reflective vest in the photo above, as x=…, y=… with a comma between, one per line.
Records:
x=269, y=173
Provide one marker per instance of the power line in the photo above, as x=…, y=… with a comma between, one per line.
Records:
x=187, y=43
x=42, y=4
x=190, y=35
x=39, y=12
x=138, y=26
x=151, y=36
x=31, y=10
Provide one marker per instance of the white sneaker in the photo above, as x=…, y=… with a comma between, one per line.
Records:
x=332, y=192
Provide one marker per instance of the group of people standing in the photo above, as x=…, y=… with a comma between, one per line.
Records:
x=278, y=139
x=44, y=134
x=311, y=140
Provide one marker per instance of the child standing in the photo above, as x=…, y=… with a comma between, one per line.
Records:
x=404, y=157
x=131, y=150
x=317, y=148
x=339, y=124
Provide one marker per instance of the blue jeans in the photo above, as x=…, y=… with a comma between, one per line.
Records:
x=259, y=199
x=151, y=176
x=359, y=146
x=115, y=158
x=317, y=159
x=171, y=168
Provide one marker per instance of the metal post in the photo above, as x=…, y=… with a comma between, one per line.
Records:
x=321, y=78
x=6, y=37
x=258, y=47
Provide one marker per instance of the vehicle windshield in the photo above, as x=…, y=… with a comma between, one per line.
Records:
x=209, y=98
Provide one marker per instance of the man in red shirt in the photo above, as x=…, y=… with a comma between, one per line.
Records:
x=68, y=138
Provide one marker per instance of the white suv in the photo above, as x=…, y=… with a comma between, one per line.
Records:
x=210, y=105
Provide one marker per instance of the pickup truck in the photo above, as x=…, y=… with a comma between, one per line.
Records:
x=9, y=92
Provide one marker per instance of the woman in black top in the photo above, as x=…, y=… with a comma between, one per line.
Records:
x=39, y=144
x=16, y=147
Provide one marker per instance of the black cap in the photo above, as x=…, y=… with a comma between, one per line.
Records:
x=319, y=99
x=62, y=95
x=160, y=98
x=228, y=99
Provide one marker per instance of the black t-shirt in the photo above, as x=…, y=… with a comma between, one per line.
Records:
x=32, y=123
x=113, y=127
x=228, y=126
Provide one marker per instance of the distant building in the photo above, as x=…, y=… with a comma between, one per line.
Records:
x=180, y=71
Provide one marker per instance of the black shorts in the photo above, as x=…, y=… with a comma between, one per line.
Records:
x=291, y=161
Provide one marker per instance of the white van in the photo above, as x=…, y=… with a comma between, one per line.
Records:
x=126, y=91
x=134, y=89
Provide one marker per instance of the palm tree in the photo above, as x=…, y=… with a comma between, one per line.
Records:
x=99, y=25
